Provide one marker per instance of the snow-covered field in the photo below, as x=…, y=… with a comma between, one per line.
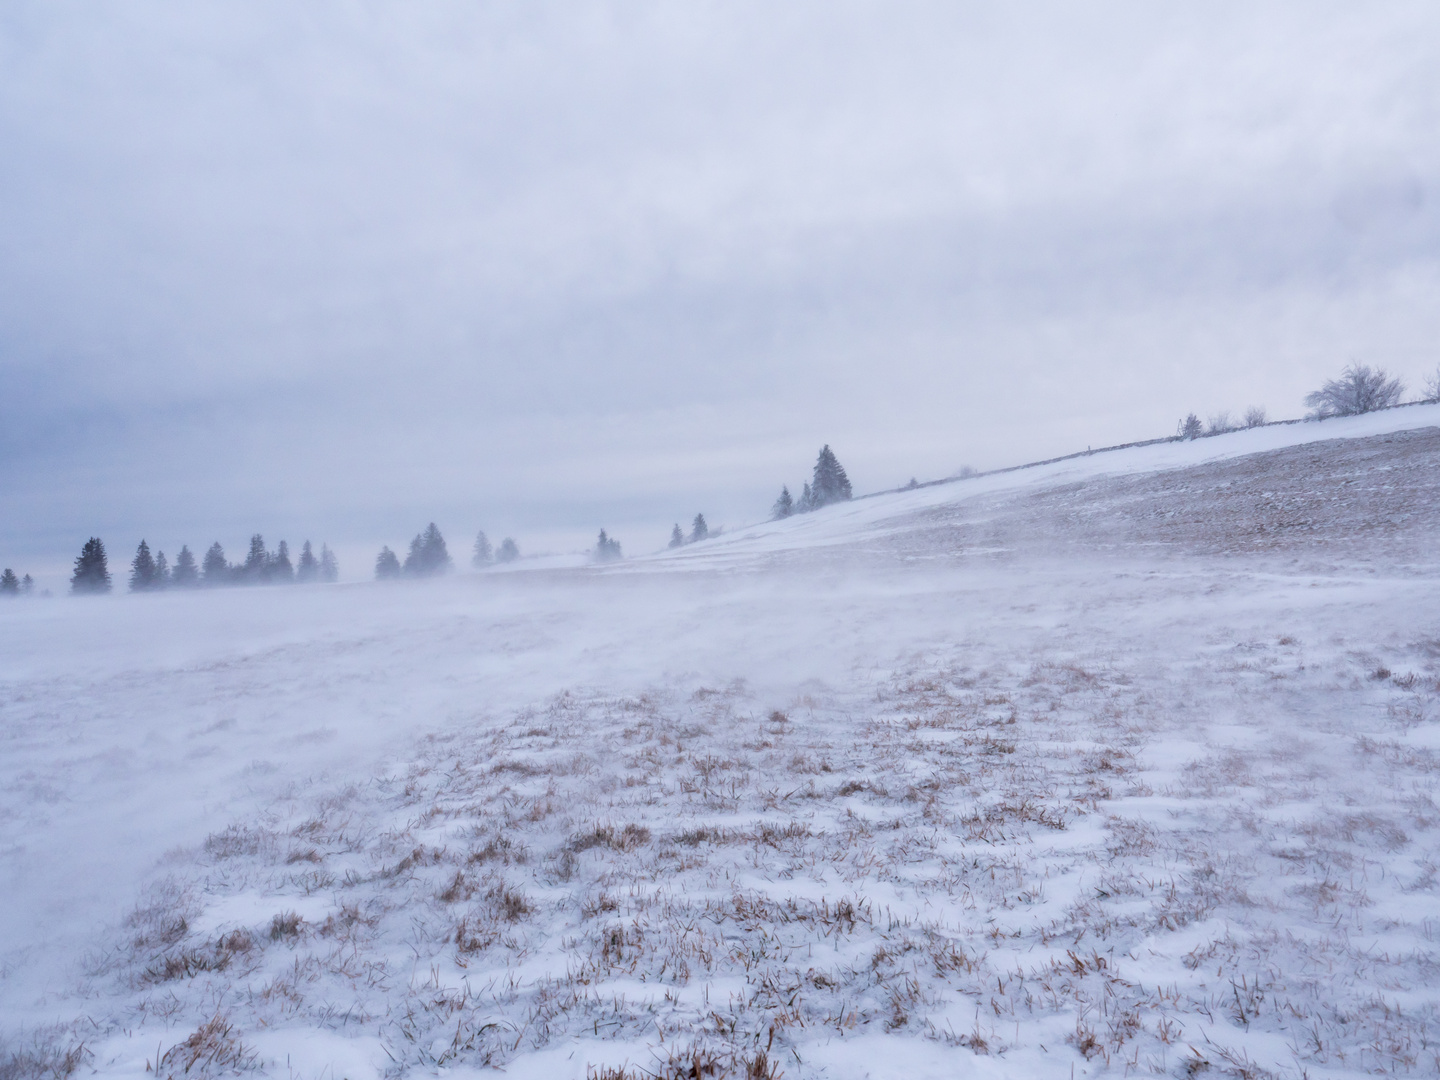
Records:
x=1126, y=764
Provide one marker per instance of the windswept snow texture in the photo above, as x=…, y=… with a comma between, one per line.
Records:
x=1127, y=765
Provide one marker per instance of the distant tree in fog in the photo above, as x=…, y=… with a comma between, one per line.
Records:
x=329, y=568
x=27, y=585
x=162, y=571
x=698, y=529
x=1360, y=389
x=483, y=554
x=606, y=548
x=1191, y=428
x=1255, y=416
x=508, y=552
x=184, y=575
x=215, y=568
x=387, y=565
x=783, y=508
x=829, y=484
x=257, y=561
x=9, y=583
x=308, y=568
x=1219, y=424
x=677, y=538
x=92, y=570
x=142, y=569
x=428, y=555
x=807, y=501
x=280, y=568
x=1432, y=386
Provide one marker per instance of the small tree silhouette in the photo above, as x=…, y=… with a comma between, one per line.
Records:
x=784, y=505
x=1360, y=389
x=387, y=565
x=92, y=570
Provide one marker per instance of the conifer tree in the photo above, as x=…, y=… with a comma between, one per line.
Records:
x=184, y=576
x=830, y=484
x=308, y=568
x=606, y=548
x=428, y=555
x=215, y=568
x=387, y=565
x=483, y=554
x=9, y=583
x=162, y=571
x=257, y=561
x=92, y=569
x=142, y=569
x=676, y=536
x=329, y=568
x=807, y=501
x=698, y=529
x=27, y=585
x=279, y=565
x=508, y=552
x=784, y=505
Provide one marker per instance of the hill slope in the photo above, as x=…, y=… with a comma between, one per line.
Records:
x=1127, y=763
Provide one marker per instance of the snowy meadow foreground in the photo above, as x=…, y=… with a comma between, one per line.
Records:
x=1124, y=765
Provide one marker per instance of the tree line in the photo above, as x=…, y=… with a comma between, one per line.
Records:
x=152, y=572
x=1359, y=389
x=12, y=585
x=428, y=556
x=828, y=484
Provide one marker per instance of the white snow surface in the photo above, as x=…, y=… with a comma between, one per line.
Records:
x=823, y=796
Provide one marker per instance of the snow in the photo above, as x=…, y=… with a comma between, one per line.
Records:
x=855, y=789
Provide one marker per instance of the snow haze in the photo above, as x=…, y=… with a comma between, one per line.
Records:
x=340, y=270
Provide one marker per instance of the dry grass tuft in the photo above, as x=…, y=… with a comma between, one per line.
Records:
x=50, y=1054
x=285, y=924
x=212, y=1049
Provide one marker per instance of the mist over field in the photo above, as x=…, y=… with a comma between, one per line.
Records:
x=719, y=541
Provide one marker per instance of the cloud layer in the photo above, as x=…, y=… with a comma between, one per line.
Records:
x=345, y=268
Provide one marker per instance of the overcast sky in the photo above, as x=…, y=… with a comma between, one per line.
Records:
x=336, y=270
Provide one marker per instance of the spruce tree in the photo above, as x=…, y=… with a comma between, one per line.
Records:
x=676, y=536
x=308, y=569
x=784, y=505
x=698, y=529
x=162, y=571
x=483, y=554
x=215, y=568
x=257, y=561
x=607, y=549
x=508, y=552
x=27, y=585
x=329, y=568
x=830, y=484
x=280, y=569
x=387, y=565
x=142, y=569
x=92, y=569
x=428, y=555
x=807, y=501
x=184, y=576
x=9, y=583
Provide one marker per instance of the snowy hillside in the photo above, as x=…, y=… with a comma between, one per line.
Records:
x=1125, y=764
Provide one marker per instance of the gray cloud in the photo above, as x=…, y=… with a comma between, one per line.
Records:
x=348, y=267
